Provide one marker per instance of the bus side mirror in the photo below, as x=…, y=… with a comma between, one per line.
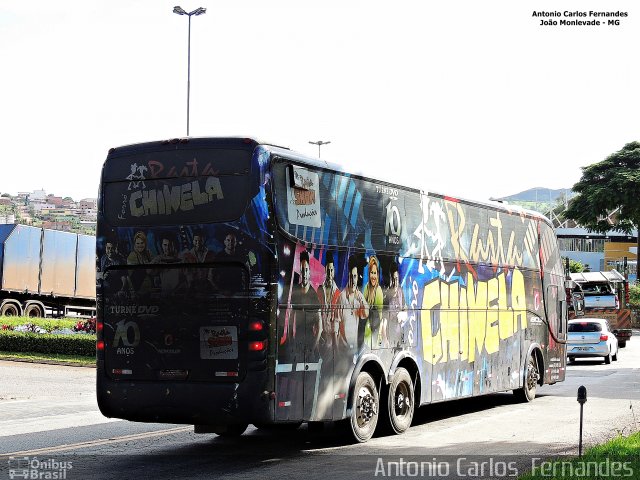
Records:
x=578, y=303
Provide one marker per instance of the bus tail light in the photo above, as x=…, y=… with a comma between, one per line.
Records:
x=603, y=337
x=256, y=326
x=100, y=345
x=257, y=346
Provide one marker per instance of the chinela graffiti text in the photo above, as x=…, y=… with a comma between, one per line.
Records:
x=171, y=199
x=458, y=320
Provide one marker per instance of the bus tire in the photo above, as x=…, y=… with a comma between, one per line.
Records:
x=234, y=430
x=400, y=401
x=9, y=310
x=365, y=408
x=531, y=375
x=33, y=310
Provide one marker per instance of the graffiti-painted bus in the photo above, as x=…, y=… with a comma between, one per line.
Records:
x=241, y=283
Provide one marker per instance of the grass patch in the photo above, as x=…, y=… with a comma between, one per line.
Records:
x=617, y=458
x=49, y=358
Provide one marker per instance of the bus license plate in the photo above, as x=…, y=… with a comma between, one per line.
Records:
x=219, y=342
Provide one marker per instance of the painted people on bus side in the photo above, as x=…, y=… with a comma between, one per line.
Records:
x=198, y=253
x=199, y=279
x=394, y=300
x=169, y=279
x=355, y=309
x=232, y=280
x=140, y=279
x=375, y=298
x=306, y=308
x=168, y=252
x=333, y=335
x=110, y=258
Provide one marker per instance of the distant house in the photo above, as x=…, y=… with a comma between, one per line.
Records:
x=599, y=251
x=88, y=204
x=57, y=201
x=65, y=226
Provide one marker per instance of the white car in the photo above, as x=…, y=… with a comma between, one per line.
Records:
x=591, y=337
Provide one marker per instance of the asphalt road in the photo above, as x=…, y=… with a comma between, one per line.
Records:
x=49, y=413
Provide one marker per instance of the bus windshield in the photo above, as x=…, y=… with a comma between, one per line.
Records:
x=196, y=186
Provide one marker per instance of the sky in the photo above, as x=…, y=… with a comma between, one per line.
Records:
x=468, y=98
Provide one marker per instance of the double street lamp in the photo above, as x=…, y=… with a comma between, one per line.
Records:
x=180, y=11
x=319, y=143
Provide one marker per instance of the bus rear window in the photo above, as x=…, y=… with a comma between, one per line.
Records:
x=169, y=187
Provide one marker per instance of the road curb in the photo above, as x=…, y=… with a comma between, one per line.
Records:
x=46, y=362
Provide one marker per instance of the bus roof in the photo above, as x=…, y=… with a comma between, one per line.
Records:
x=309, y=161
x=322, y=164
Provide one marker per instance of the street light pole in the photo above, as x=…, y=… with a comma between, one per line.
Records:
x=319, y=143
x=180, y=11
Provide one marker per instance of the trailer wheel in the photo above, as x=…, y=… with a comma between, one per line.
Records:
x=33, y=310
x=9, y=310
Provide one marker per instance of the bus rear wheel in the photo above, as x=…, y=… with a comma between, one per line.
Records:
x=365, y=408
x=399, y=402
x=531, y=376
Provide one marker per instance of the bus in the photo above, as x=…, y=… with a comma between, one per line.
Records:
x=242, y=283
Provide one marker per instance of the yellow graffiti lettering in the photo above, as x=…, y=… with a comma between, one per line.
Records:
x=477, y=304
x=519, y=301
x=492, y=339
x=505, y=315
x=432, y=343
x=461, y=322
x=449, y=321
x=464, y=325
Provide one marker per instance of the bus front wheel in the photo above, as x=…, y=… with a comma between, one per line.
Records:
x=365, y=408
x=531, y=376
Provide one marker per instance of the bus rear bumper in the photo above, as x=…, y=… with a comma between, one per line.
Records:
x=187, y=403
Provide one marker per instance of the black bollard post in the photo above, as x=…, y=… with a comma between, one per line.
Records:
x=582, y=398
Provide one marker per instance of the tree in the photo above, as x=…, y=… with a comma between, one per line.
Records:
x=613, y=183
x=634, y=296
x=574, y=266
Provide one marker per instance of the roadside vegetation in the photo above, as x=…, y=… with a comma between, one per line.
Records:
x=617, y=458
x=66, y=340
x=634, y=296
